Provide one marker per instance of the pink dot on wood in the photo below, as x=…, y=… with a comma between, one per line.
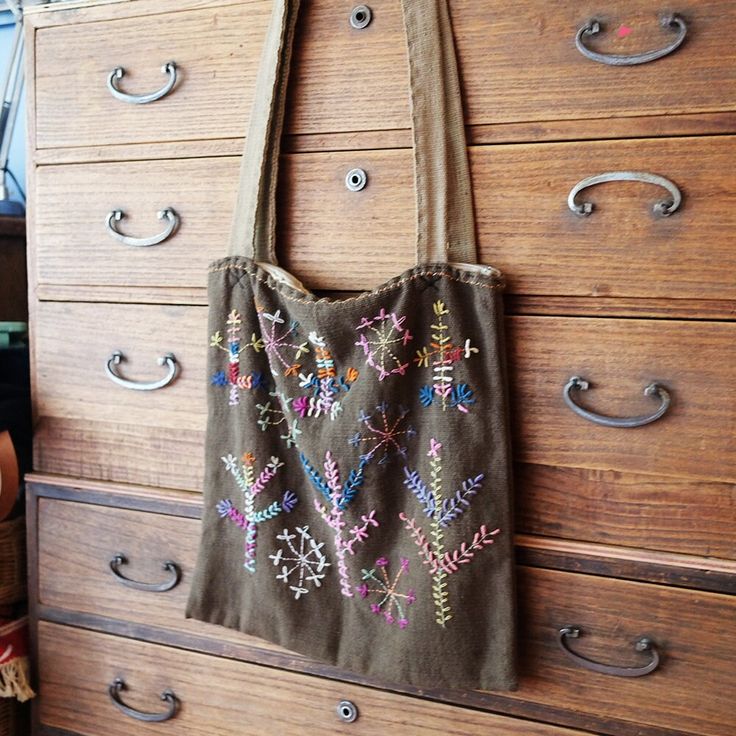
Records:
x=624, y=31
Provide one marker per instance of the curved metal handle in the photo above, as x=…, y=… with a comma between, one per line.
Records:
x=168, y=214
x=171, y=567
x=594, y=27
x=665, y=208
x=119, y=72
x=653, y=389
x=643, y=644
x=118, y=684
x=117, y=357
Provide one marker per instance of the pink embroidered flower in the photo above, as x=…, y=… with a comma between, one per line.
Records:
x=411, y=596
x=404, y=563
x=375, y=608
x=389, y=618
x=382, y=562
x=434, y=448
x=301, y=405
x=362, y=590
x=403, y=623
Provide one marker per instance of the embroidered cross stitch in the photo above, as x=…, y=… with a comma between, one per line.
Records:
x=251, y=485
x=380, y=336
x=442, y=511
x=383, y=434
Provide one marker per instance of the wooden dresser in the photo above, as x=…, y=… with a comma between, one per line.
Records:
x=626, y=536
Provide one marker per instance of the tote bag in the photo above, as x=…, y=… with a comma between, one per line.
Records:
x=357, y=499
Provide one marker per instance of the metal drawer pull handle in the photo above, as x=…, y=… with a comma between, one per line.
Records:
x=653, y=389
x=360, y=17
x=117, y=357
x=347, y=711
x=642, y=645
x=118, y=73
x=118, y=684
x=594, y=27
x=171, y=567
x=356, y=179
x=168, y=214
x=665, y=208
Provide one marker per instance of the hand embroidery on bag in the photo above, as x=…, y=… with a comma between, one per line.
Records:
x=381, y=434
x=339, y=496
x=234, y=347
x=379, y=337
x=305, y=560
x=391, y=603
x=249, y=519
x=325, y=385
x=441, y=355
x=442, y=512
x=277, y=342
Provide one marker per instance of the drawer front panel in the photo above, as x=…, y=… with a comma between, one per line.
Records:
x=216, y=52
x=227, y=697
x=694, y=361
x=516, y=66
x=75, y=247
x=345, y=240
x=87, y=426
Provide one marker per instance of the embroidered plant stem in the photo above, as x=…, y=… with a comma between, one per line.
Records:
x=441, y=355
x=391, y=602
x=249, y=518
x=441, y=511
x=338, y=497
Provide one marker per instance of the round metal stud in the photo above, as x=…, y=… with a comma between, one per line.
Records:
x=347, y=711
x=356, y=179
x=360, y=16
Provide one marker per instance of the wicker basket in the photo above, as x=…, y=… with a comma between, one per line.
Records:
x=12, y=562
x=9, y=717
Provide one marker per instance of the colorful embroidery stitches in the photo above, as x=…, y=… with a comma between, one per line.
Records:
x=325, y=385
x=234, y=346
x=441, y=355
x=338, y=497
x=278, y=342
x=382, y=435
x=442, y=512
x=251, y=485
x=380, y=335
x=304, y=560
x=389, y=602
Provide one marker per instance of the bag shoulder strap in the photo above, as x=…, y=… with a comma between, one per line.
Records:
x=444, y=204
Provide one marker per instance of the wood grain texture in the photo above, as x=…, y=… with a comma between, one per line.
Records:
x=89, y=427
x=695, y=361
x=337, y=239
x=628, y=509
x=216, y=51
x=232, y=698
x=554, y=82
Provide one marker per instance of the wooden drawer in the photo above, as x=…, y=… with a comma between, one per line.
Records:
x=74, y=247
x=516, y=66
x=216, y=51
x=221, y=696
x=694, y=361
x=339, y=239
x=87, y=426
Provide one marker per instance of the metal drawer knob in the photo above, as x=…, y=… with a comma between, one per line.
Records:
x=119, y=72
x=356, y=179
x=117, y=357
x=360, y=16
x=643, y=644
x=118, y=684
x=168, y=214
x=347, y=711
x=594, y=27
x=169, y=566
x=663, y=208
x=654, y=390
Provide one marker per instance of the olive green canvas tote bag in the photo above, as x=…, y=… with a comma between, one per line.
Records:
x=357, y=506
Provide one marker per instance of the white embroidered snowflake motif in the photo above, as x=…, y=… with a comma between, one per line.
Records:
x=383, y=433
x=380, y=335
x=301, y=563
